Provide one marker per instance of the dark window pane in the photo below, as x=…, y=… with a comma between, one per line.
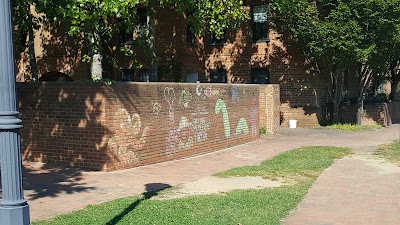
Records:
x=144, y=75
x=259, y=19
x=260, y=76
x=190, y=37
x=218, y=76
x=142, y=17
x=128, y=75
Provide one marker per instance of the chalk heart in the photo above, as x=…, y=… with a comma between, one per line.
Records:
x=199, y=90
x=169, y=95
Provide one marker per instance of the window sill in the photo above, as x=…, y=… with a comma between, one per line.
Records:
x=260, y=41
x=216, y=45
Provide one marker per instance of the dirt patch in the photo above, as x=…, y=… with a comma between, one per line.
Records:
x=216, y=185
x=384, y=166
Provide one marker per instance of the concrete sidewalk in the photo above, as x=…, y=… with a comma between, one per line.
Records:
x=56, y=190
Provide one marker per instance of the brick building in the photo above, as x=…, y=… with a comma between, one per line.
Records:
x=252, y=54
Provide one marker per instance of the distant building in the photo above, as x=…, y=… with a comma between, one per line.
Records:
x=253, y=54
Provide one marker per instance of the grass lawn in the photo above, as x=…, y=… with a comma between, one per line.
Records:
x=390, y=152
x=354, y=127
x=266, y=206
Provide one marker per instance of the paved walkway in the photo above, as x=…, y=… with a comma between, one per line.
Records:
x=353, y=189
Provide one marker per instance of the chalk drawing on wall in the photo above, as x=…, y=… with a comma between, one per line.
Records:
x=253, y=121
x=234, y=94
x=200, y=127
x=242, y=127
x=169, y=95
x=128, y=135
x=219, y=93
x=199, y=90
x=156, y=107
x=220, y=106
x=185, y=99
x=269, y=90
x=185, y=137
x=211, y=92
x=200, y=124
x=180, y=138
x=208, y=91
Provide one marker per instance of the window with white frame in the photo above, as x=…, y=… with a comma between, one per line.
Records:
x=259, y=23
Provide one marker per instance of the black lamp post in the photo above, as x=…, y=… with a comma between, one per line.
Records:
x=13, y=208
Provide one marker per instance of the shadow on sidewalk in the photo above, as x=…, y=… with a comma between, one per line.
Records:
x=52, y=180
x=152, y=189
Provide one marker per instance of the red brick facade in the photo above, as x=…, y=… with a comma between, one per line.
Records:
x=383, y=114
x=100, y=127
x=303, y=95
x=298, y=88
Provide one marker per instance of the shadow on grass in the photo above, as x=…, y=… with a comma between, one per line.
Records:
x=152, y=189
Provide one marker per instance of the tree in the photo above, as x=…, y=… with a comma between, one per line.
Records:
x=385, y=58
x=337, y=36
x=26, y=23
x=378, y=49
x=99, y=20
x=327, y=36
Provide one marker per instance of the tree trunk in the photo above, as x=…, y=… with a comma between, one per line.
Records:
x=335, y=113
x=394, y=84
x=96, y=67
x=94, y=52
x=360, y=111
x=365, y=75
x=393, y=90
x=31, y=44
x=336, y=93
x=153, y=63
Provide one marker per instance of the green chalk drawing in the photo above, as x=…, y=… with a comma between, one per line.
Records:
x=220, y=106
x=242, y=127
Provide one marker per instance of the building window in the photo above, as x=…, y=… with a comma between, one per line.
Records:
x=144, y=75
x=259, y=23
x=215, y=41
x=127, y=74
x=260, y=76
x=218, y=76
x=142, y=16
x=190, y=37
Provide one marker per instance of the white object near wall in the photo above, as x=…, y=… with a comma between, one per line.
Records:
x=292, y=123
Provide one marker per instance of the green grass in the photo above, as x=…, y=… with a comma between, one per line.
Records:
x=263, y=130
x=353, y=127
x=264, y=206
x=303, y=163
x=390, y=151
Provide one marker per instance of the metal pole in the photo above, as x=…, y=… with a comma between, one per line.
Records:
x=13, y=208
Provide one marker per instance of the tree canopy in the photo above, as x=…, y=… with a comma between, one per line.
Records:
x=98, y=20
x=339, y=35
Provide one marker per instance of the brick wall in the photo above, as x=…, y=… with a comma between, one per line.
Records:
x=380, y=113
x=100, y=127
x=299, y=88
x=394, y=111
x=305, y=116
x=269, y=108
